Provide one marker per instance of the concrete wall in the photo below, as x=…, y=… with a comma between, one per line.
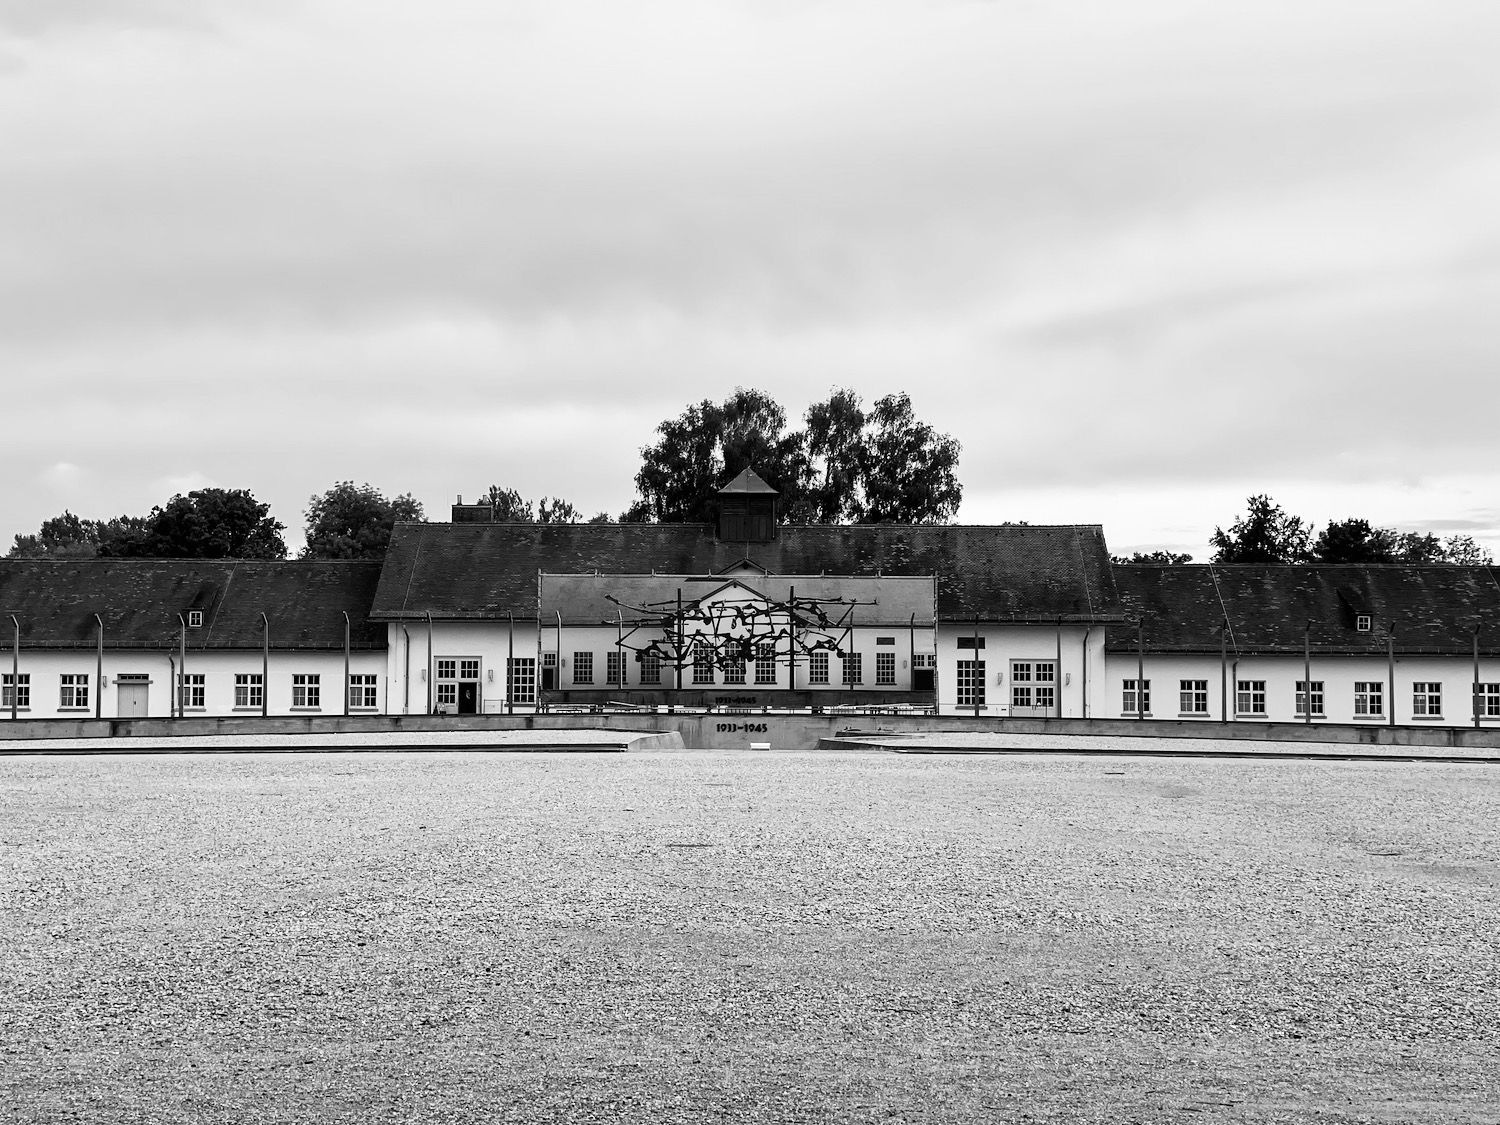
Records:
x=739, y=732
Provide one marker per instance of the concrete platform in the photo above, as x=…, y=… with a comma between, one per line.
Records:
x=1005, y=742
x=513, y=741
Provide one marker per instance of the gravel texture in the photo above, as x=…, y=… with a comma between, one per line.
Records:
x=747, y=937
x=331, y=743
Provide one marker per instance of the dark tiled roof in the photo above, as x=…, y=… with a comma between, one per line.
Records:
x=1007, y=573
x=1432, y=608
x=139, y=600
x=748, y=482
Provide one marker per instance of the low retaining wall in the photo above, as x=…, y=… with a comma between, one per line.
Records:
x=738, y=732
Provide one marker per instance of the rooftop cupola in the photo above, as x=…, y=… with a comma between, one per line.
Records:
x=747, y=510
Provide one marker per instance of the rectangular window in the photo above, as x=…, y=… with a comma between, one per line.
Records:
x=734, y=669
x=1046, y=696
x=447, y=668
x=765, y=663
x=970, y=642
x=306, y=689
x=521, y=679
x=249, y=691
x=614, y=668
x=970, y=682
x=924, y=660
x=1489, y=701
x=583, y=667
x=447, y=691
x=1250, y=697
x=195, y=619
x=703, y=662
x=1020, y=683
x=1362, y=623
x=1427, y=698
x=650, y=668
x=1369, y=697
x=21, y=692
x=192, y=689
x=817, y=668
x=1128, y=700
x=1317, y=697
x=885, y=668
x=468, y=669
x=854, y=667
x=1193, y=697
x=75, y=691
x=364, y=694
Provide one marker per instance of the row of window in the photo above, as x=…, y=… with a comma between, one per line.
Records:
x=705, y=670
x=1250, y=697
x=249, y=690
x=1033, y=683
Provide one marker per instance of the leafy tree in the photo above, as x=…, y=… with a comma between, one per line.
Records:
x=210, y=523
x=553, y=510
x=909, y=468
x=602, y=517
x=706, y=447
x=1463, y=551
x=846, y=465
x=1158, y=558
x=64, y=536
x=1355, y=541
x=1266, y=534
x=507, y=505
x=352, y=521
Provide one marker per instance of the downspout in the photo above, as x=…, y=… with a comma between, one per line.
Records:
x=15, y=669
x=265, y=666
x=428, y=674
x=976, y=679
x=1390, y=664
x=911, y=654
x=1140, y=668
x=182, y=687
x=1084, y=685
x=99, y=670
x=346, y=661
x=620, y=646
x=1307, y=673
x=1057, y=670
x=171, y=679
x=1476, y=675
x=1224, y=671
x=557, y=687
x=510, y=668
x=406, y=675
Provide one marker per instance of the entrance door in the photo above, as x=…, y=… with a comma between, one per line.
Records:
x=133, y=700
x=468, y=698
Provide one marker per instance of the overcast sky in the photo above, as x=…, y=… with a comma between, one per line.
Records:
x=1142, y=258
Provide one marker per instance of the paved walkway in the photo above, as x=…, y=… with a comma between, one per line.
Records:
x=595, y=741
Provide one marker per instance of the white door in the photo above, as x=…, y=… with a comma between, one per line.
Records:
x=133, y=700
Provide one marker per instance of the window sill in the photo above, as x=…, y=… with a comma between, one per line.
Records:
x=1191, y=714
x=1250, y=715
x=304, y=710
x=75, y=710
x=1318, y=717
x=363, y=710
x=19, y=710
x=255, y=709
x=1427, y=719
x=1137, y=715
x=1369, y=719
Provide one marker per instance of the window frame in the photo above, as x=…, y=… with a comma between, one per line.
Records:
x=249, y=691
x=1299, y=690
x=1190, y=694
x=818, y=667
x=885, y=669
x=703, y=664
x=614, y=668
x=521, y=679
x=852, y=669
x=765, y=664
x=1424, y=694
x=1252, y=690
x=968, y=680
x=307, y=691
x=364, y=691
x=583, y=662
x=21, y=689
x=1128, y=696
x=1369, y=699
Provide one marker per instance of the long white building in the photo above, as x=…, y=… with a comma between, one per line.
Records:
x=474, y=617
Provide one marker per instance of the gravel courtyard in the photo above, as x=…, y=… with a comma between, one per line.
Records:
x=747, y=937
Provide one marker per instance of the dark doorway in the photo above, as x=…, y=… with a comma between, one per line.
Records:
x=549, y=678
x=924, y=679
x=468, y=698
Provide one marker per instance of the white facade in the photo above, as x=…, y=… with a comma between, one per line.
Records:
x=1265, y=689
x=138, y=684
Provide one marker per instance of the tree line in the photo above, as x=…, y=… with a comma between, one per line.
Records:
x=844, y=465
x=1268, y=533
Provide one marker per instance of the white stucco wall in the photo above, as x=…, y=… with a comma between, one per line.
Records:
x=1082, y=660
x=46, y=667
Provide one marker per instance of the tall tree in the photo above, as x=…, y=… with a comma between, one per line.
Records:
x=845, y=466
x=553, y=510
x=352, y=521
x=1265, y=534
x=1463, y=551
x=64, y=536
x=1354, y=541
x=1154, y=558
x=210, y=523
x=507, y=505
x=910, y=470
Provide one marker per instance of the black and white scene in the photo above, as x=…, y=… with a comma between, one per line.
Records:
x=749, y=561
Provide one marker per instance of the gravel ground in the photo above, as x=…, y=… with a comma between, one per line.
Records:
x=718, y=936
